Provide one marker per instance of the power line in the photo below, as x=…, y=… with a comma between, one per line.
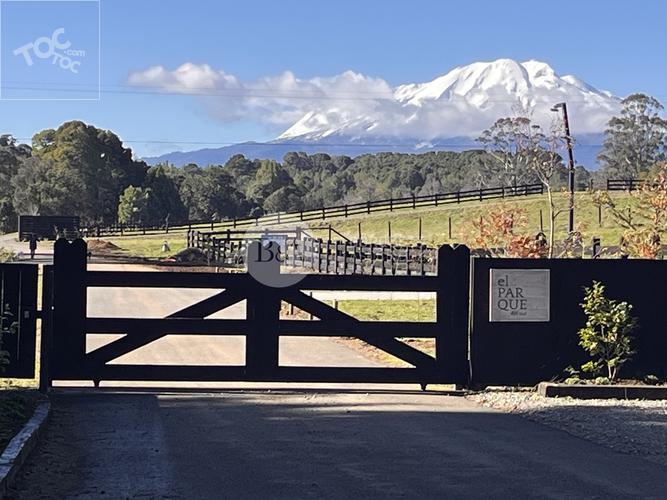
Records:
x=266, y=93
x=306, y=144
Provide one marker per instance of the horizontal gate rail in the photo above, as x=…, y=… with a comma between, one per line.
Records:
x=262, y=326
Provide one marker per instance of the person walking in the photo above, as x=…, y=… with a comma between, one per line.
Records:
x=32, y=242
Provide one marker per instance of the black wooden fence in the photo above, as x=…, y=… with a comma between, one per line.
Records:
x=338, y=211
x=323, y=256
x=529, y=352
x=624, y=184
x=18, y=308
x=479, y=351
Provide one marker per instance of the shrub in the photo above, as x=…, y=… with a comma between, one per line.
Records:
x=606, y=336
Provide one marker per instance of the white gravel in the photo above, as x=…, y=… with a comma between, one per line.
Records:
x=632, y=427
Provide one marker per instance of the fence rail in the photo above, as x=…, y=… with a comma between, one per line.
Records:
x=323, y=256
x=339, y=211
x=624, y=184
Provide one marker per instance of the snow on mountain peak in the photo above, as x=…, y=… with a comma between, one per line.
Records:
x=462, y=102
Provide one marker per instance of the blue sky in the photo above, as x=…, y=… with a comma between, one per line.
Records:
x=613, y=45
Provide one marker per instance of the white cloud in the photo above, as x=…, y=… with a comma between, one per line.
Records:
x=461, y=103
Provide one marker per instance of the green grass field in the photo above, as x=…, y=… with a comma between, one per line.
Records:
x=435, y=221
x=389, y=310
x=435, y=224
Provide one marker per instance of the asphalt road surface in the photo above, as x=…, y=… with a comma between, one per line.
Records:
x=316, y=444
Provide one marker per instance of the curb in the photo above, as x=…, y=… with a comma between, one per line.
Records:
x=551, y=390
x=21, y=445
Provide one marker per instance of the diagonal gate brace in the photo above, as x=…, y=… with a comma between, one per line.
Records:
x=388, y=344
x=134, y=340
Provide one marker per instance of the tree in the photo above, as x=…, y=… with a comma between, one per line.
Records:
x=285, y=199
x=99, y=159
x=134, y=205
x=606, y=335
x=165, y=200
x=42, y=189
x=210, y=193
x=636, y=140
x=524, y=153
x=11, y=155
x=270, y=177
x=511, y=143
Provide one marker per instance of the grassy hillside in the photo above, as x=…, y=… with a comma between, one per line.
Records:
x=435, y=221
x=435, y=224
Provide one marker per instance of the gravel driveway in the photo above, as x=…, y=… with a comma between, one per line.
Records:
x=631, y=427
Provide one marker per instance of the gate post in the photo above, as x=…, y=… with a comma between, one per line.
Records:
x=452, y=304
x=46, y=342
x=263, y=311
x=69, y=308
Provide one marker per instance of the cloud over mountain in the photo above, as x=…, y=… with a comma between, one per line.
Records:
x=361, y=108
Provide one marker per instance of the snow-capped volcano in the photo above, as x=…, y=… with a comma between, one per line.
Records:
x=352, y=114
x=460, y=103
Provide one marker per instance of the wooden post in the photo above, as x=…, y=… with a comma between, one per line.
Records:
x=368, y=207
x=449, y=223
x=595, y=250
x=414, y=202
x=46, y=349
x=420, y=229
x=600, y=215
x=389, y=230
x=345, y=248
x=359, y=231
x=541, y=222
x=327, y=256
x=69, y=309
x=452, y=308
x=421, y=260
x=262, y=312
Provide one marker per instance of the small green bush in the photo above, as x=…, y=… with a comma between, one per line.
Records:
x=607, y=334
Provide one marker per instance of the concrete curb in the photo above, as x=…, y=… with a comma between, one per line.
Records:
x=21, y=445
x=551, y=390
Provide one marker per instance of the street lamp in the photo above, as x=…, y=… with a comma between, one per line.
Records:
x=570, y=170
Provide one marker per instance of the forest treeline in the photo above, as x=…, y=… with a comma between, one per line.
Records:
x=78, y=169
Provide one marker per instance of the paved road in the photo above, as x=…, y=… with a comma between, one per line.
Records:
x=303, y=444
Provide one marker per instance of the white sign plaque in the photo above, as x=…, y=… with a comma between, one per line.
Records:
x=519, y=295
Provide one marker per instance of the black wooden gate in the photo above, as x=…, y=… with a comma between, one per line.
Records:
x=18, y=308
x=262, y=326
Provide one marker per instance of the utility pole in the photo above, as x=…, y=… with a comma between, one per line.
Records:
x=570, y=169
